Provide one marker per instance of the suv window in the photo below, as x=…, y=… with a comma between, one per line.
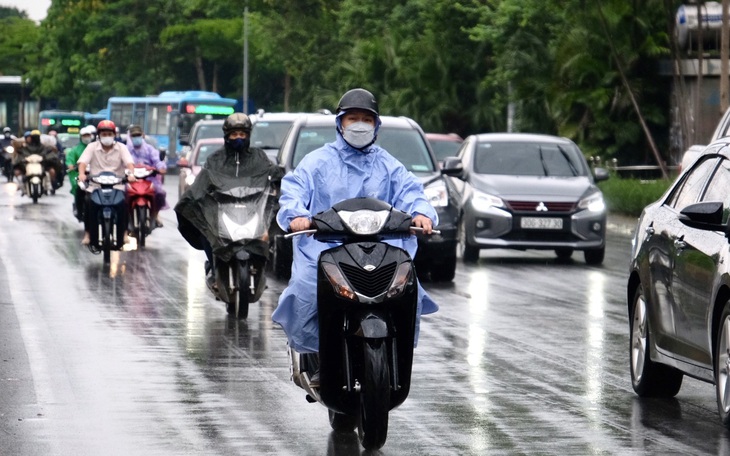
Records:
x=688, y=191
x=406, y=145
x=528, y=159
x=207, y=132
x=269, y=134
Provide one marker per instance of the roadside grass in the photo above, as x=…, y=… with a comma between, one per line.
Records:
x=630, y=196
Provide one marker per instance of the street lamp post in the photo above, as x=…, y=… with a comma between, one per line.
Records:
x=245, y=60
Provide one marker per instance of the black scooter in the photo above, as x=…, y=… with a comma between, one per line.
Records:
x=366, y=297
x=240, y=261
x=108, y=209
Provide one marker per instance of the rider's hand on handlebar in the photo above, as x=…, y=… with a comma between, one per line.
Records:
x=423, y=222
x=300, y=224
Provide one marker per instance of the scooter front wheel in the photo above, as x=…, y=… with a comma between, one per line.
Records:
x=372, y=428
x=238, y=305
x=341, y=422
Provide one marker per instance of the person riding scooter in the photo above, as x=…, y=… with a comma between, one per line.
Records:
x=352, y=166
x=146, y=155
x=235, y=165
x=72, y=156
x=34, y=146
x=101, y=156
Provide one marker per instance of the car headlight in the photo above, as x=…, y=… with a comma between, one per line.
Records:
x=437, y=194
x=593, y=203
x=484, y=201
x=189, y=179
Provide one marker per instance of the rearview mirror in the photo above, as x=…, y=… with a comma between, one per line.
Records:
x=704, y=216
x=600, y=174
x=452, y=166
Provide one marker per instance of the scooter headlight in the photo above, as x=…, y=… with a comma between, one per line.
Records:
x=106, y=180
x=364, y=221
x=401, y=279
x=338, y=282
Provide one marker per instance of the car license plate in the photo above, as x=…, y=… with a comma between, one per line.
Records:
x=541, y=223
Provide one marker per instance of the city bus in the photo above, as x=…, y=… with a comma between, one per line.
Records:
x=169, y=116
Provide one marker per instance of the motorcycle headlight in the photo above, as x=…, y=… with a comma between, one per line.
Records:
x=484, y=201
x=437, y=194
x=189, y=179
x=338, y=281
x=364, y=221
x=107, y=180
x=593, y=203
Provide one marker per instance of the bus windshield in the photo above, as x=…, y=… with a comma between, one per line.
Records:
x=69, y=122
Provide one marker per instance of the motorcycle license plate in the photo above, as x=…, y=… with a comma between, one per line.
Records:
x=541, y=223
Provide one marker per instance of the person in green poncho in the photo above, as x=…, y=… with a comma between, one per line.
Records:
x=72, y=155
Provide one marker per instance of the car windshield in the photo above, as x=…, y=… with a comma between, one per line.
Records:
x=406, y=145
x=444, y=149
x=204, y=152
x=268, y=134
x=528, y=159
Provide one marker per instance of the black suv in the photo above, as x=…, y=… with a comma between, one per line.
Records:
x=403, y=138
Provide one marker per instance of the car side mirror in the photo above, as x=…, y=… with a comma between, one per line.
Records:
x=600, y=174
x=184, y=142
x=452, y=166
x=704, y=216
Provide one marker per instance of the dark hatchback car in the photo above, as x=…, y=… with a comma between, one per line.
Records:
x=404, y=139
x=679, y=284
x=528, y=191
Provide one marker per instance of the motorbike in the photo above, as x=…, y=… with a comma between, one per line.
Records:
x=141, y=204
x=106, y=205
x=367, y=296
x=36, y=180
x=240, y=260
x=7, y=161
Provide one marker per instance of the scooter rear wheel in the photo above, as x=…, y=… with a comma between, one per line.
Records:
x=372, y=428
x=141, y=226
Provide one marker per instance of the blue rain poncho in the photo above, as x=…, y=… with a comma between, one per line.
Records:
x=324, y=177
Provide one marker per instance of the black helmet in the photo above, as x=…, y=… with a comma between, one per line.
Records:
x=358, y=99
x=236, y=121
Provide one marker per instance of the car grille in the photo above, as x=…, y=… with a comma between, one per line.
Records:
x=531, y=206
x=370, y=284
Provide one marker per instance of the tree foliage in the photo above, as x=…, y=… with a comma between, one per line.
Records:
x=450, y=65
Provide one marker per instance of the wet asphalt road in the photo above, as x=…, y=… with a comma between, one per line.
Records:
x=526, y=356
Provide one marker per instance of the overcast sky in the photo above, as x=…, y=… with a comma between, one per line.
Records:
x=36, y=9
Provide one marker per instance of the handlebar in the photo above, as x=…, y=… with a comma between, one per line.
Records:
x=299, y=233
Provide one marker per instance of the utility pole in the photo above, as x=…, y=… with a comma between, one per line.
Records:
x=724, y=51
x=245, y=60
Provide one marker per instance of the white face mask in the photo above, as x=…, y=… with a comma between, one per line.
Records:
x=107, y=140
x=86, y=139
x=359, y=134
